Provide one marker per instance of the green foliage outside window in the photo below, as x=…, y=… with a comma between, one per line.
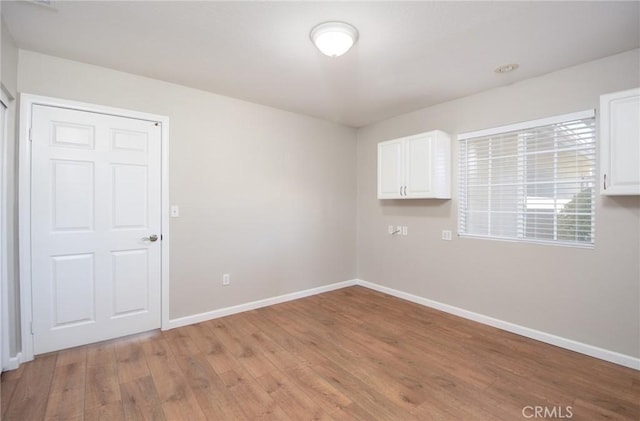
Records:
x=574, y=220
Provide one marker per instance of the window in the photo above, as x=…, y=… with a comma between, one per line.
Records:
x=533, y=181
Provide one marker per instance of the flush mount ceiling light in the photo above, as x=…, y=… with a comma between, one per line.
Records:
x=334, y=38
x=507, y=68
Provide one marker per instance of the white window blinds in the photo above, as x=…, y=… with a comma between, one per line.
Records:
x=532, y=181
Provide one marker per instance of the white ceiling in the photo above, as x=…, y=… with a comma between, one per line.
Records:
x=410, y=54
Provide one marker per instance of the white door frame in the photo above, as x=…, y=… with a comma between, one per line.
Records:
x=4, y=279
x=27, y=101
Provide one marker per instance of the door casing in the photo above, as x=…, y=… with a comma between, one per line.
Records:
x=4, y=325
x=27, y=101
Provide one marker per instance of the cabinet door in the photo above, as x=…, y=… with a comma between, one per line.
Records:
x=390, y=176
x=418, y=166
x=620, y=143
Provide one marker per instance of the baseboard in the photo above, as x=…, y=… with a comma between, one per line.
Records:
x=227, y=311
x=582, y=348
x=13, y=362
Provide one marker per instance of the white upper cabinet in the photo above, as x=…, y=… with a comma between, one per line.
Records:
x=415, y=167
x=390, y=177
x=620, y=143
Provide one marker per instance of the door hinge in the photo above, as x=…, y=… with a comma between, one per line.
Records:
x=30, y=137
x=31, y=327
x=160, y=237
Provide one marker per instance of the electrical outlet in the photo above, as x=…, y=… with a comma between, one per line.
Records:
x=226, y=279
x=390, y=229
x=404, y=230
x=446, y=235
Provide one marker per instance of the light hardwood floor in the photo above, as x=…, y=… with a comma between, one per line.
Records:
x=351, y=354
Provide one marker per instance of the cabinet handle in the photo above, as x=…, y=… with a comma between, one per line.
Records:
x=605, y=181
x=405, y=190
x=400, y=190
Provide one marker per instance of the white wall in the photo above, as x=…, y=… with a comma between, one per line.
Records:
x=588, y=295
x=8, y=83
x=8, y=61
x=265, y=195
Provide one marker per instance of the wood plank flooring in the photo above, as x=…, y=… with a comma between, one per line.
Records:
x=351, y=354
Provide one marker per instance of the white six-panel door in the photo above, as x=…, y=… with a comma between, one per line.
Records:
x=95, y=205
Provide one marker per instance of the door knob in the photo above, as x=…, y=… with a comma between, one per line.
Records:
x=151, y=238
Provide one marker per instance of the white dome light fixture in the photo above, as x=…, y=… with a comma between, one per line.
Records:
x=334, y=38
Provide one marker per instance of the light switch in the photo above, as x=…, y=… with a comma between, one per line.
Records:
x=175, y=211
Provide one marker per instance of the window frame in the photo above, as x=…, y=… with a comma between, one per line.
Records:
x=522, y=126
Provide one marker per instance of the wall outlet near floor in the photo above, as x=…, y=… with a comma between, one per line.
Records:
x=390, y=229
x=226, y=279
x=446, y=235
x=404, y=230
